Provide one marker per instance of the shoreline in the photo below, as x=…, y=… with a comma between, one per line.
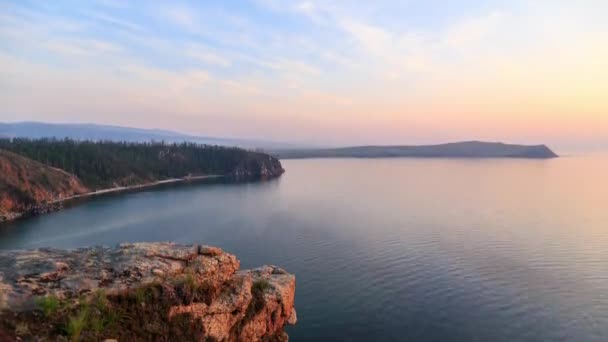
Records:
x=119, y=189
x=58, y=204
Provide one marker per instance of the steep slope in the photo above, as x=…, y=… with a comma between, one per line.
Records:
x=467, y=149
x=26, y=184
x=141, y=292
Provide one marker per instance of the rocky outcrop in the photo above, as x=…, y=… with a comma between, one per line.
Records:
x=142, y=291
x=30, y=187
x=259, y=165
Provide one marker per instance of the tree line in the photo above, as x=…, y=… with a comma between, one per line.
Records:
x=105, y=164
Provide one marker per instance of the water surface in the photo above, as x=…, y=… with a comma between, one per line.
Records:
x=392, y=249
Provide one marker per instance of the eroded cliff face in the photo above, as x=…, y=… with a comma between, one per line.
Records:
x=27, y=186
x=142, y=291
x=258, y=165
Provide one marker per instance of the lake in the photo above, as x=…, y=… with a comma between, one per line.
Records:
x=391, y=249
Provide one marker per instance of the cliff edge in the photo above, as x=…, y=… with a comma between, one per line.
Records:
x=29, y=186
x=38, y=176
x=141, y=291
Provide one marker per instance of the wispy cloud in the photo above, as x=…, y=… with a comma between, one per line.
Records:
x=396, y=63
x=179, y=15
x=474, y=29
x=73, y=47
x=116, y=21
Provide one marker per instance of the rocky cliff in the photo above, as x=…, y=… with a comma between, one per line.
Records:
x=258, y=165
x=27, y=186
x=141, y=291
x=32, y=182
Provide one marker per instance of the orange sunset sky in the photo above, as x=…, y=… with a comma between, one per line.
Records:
x=314, y=72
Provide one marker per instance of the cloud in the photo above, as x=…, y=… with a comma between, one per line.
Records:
x=240, y=87
x=474, y=29
x=307, y=7
x=179, y=15
x=372, y=38
x=81, y=47
x=210, y=58
x=292, y=66
x=310, y=61
x=116, y=21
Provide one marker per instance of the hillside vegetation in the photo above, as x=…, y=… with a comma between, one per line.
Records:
x=106, y=164
x=25, y=183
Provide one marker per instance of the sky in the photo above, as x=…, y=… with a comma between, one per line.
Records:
x=333, y=72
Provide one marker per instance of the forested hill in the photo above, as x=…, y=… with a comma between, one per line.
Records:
x=101, y=165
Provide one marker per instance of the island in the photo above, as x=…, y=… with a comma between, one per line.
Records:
x=40, y=175
x=466, y=149
x=141, y=292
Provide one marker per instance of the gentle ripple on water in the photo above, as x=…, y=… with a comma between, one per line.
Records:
x=392, y=250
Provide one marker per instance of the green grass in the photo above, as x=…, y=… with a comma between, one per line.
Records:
x=97, y=324
x=100, y=300
x=260, y=286
x=77, y=323
x=190, y=281
x=99, y=315
x=48, y=304
x=140, y=295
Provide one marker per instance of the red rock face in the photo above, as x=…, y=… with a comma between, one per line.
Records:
x=231, y=305
x=26, y=185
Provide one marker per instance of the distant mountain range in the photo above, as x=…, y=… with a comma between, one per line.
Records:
x=467, y=149
x=96, y=132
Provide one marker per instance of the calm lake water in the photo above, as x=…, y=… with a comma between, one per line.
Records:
x=392, y=249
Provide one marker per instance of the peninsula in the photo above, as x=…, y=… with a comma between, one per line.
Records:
x=38, y=176
x=467, y=149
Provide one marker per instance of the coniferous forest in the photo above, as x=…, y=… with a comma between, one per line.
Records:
x=106, y=164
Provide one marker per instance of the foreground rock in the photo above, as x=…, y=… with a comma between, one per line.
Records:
x=142, y=291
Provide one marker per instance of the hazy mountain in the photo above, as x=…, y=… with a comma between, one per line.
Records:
x=116, y=133
x=467, y=149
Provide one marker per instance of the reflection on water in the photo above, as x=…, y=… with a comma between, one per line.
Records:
x=392, y=249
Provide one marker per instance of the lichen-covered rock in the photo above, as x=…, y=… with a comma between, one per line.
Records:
x=149, y=291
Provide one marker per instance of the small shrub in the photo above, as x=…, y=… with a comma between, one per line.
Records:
x=190, y=281
x=257, y=300
x=260, y=286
